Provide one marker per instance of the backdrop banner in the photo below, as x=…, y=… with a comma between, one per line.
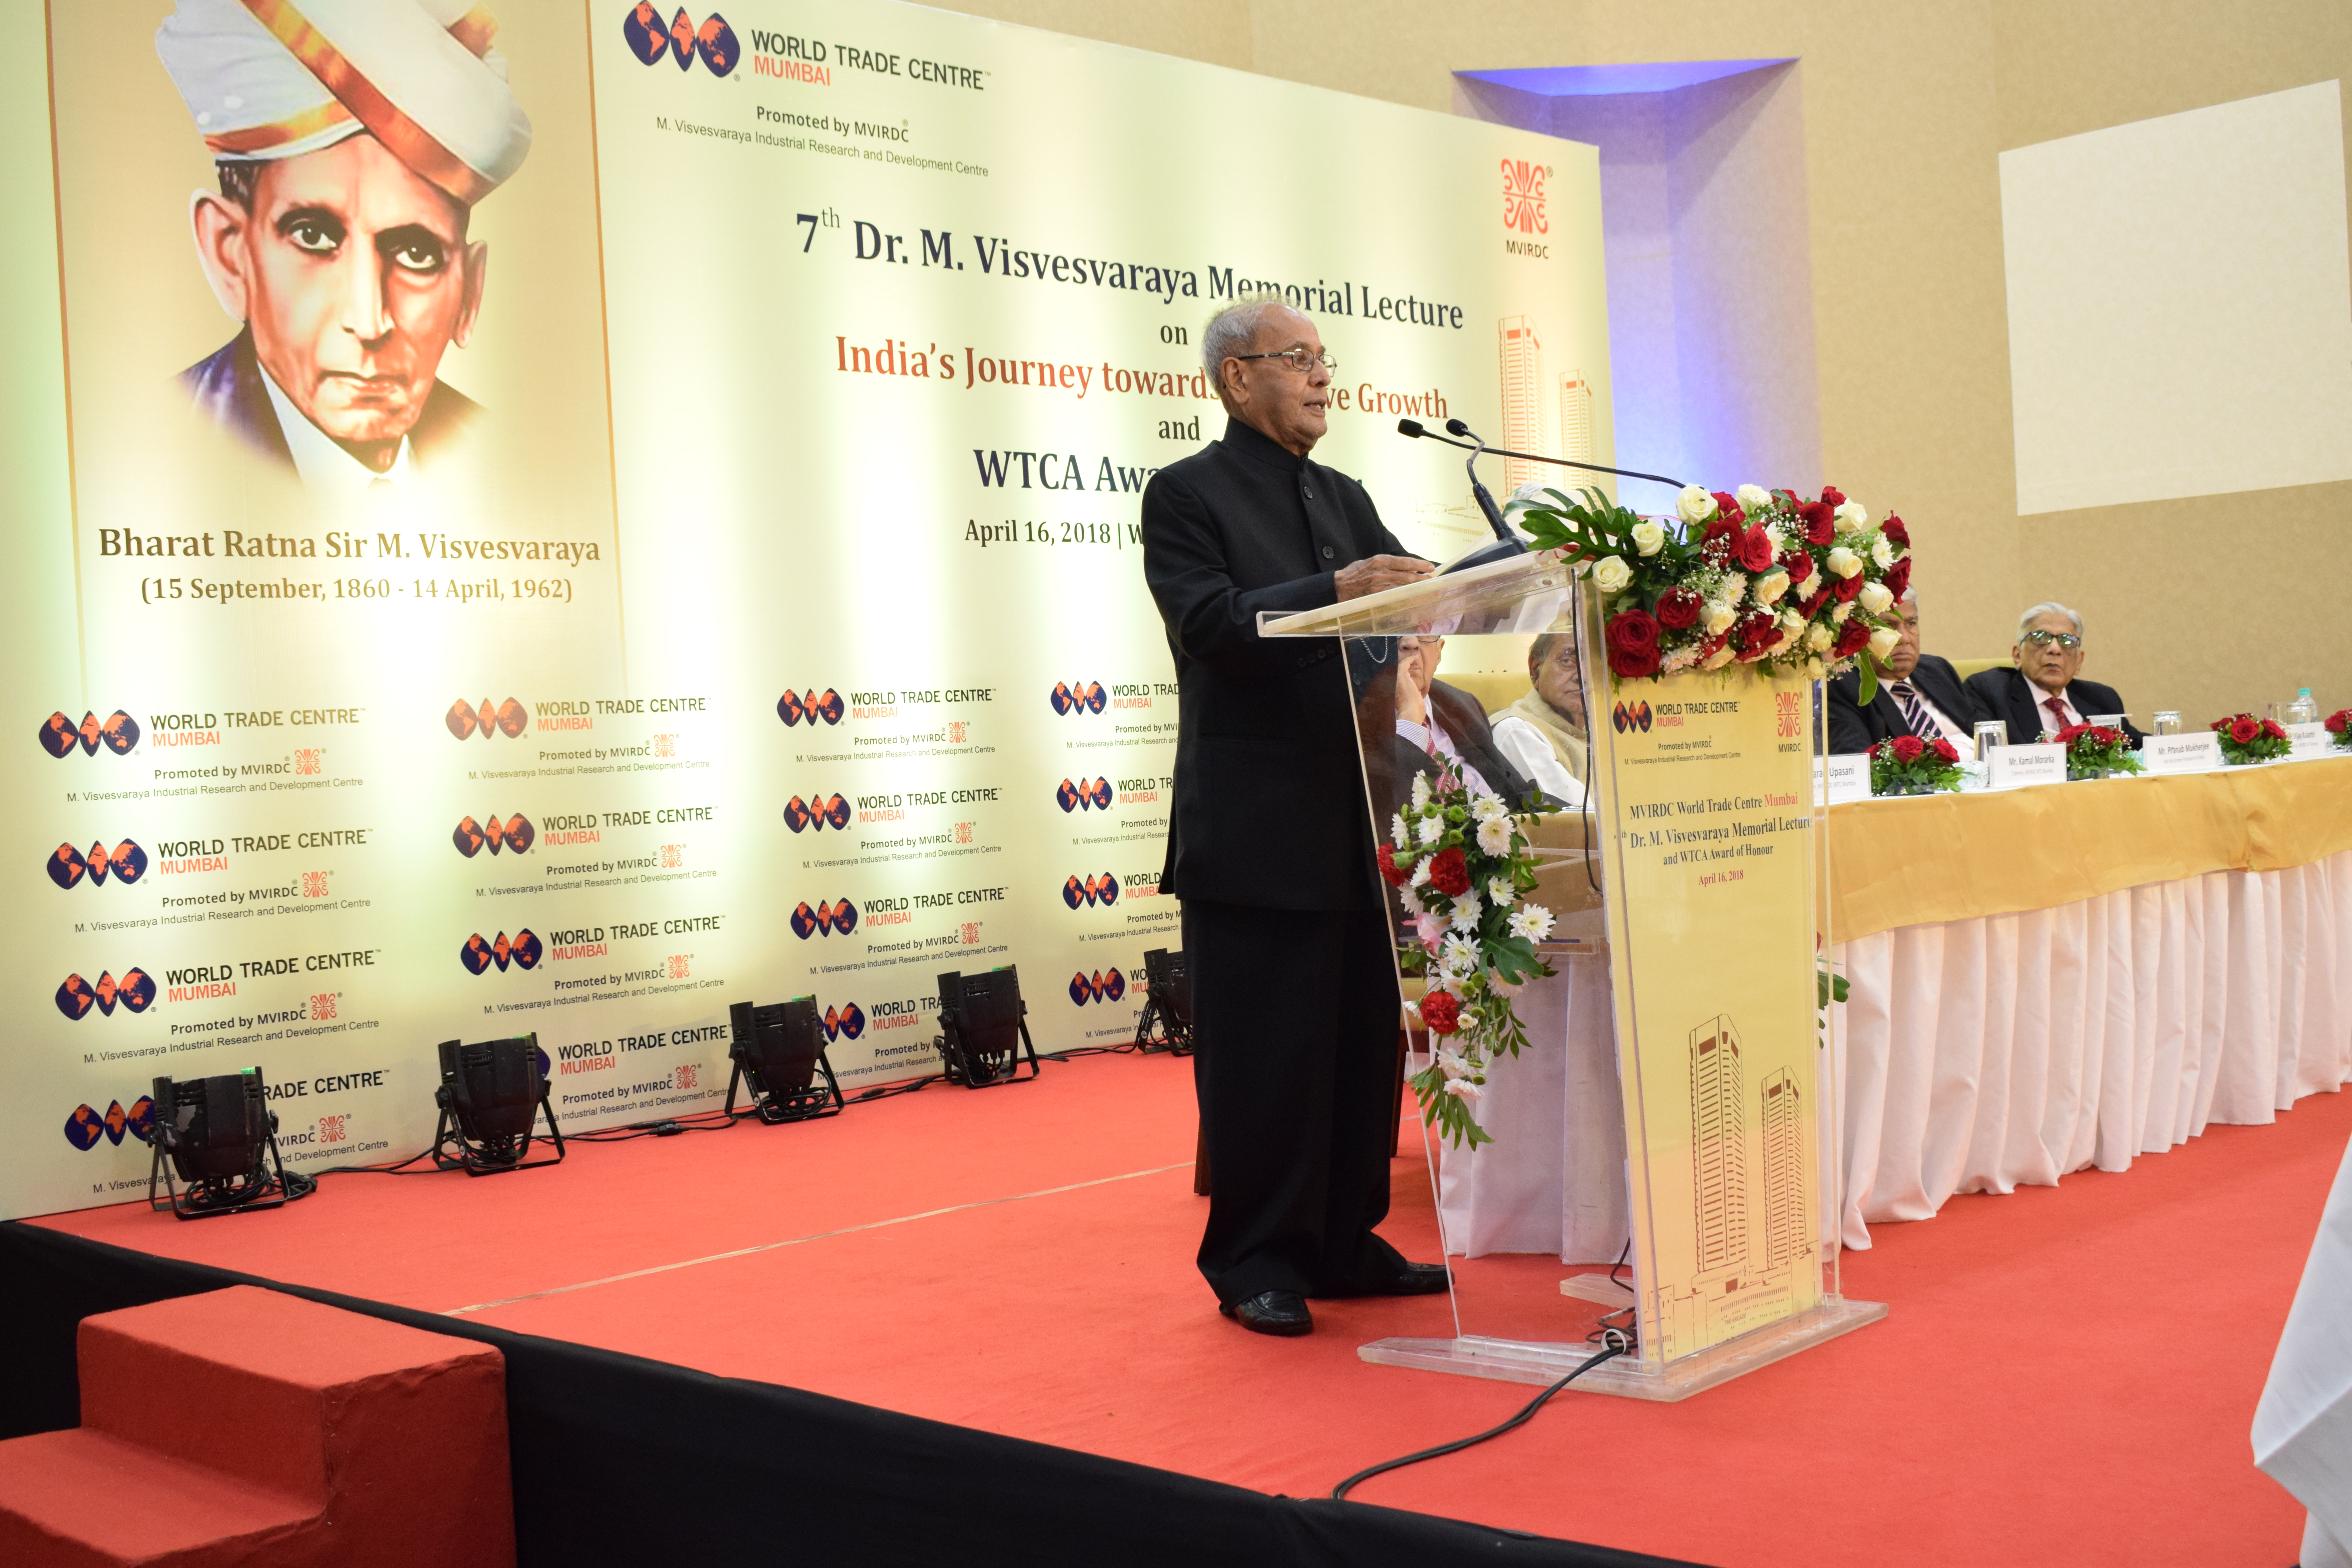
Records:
x=565, y=522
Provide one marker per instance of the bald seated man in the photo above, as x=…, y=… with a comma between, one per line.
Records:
x=1285, y=930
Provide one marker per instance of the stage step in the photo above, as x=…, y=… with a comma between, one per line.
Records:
x=252, y=1427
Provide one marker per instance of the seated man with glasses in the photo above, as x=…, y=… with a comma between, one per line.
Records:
x=1919, y=694
x=2041, y=695
x=1441, y=728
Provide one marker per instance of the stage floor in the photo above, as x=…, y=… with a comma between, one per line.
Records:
x=2046, y=1390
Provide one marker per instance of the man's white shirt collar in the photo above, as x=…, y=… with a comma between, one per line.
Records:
x=323, y=464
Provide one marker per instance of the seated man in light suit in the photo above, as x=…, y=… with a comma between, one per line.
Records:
x=1919, y=694
x=1442, y=727
x=2041, y=695
x=1543, y=732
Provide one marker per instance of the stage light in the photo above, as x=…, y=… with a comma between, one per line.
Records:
x=218, y=1136
x=986, y=1028
x=779, y=1050
x=1166, y=1022
x=491, y=1094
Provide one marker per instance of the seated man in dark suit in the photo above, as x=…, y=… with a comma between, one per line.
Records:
x=1448, y=729
x=2041, y=695
x=1919, y=694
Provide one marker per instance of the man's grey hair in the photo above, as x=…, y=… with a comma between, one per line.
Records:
x=1234, y=331
x=2052, y=607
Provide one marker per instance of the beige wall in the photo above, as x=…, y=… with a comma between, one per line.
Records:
x=2207, y=604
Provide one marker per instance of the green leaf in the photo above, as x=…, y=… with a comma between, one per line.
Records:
x=1869, y=679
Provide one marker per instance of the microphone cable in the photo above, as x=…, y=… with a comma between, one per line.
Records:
x=1340, y=1493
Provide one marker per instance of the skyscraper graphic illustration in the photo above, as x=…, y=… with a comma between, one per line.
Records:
x=1718, y=1146
x=1523, y=388
x=1784, y=1176
x=1575, y=423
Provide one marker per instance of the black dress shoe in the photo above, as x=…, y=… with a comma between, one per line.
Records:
x=1406, y=1279
x=1272, y=1312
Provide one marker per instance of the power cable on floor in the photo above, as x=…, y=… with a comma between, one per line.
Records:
x=1339, y=1492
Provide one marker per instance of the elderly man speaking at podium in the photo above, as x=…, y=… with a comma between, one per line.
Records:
x=1293, y=990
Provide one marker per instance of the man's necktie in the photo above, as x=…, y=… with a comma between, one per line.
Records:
x=1915, y=710
x=2057, y=714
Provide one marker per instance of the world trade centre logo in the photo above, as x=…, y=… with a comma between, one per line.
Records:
x=714, y=41
x=797, y=708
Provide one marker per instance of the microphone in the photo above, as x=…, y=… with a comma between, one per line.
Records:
x=1413, y=427
x=1506, y=543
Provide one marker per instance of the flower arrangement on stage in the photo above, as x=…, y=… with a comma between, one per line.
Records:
x=2246, y=738
x=2339, y=729
x=2094, y=750
x=1462, y=867
x=1906, y=765
x=1802, y=587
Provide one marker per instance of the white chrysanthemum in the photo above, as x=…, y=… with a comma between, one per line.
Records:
x=1852, y=518
x=1682, y=658
x=1778, y=535
x=1770, y=586
x=1462, y=1088
x=1466, y=910
x=1838, y=615
x=1611, y=575
x=1719, y=617
x=1500, y=893
x=1532, y=921
x=1495, y=836
x=1649, y=538
x=1820, y=639
x=1754, y=498
x=1694, y=504
x=1432, y=828
x=1396, y=831
x=1461, y=954
x=1487, y=805
x=1873, y=597
x=1843, y=562
x=1881, y=643
x=1413, y=907
x=1453, y=1064
x=1882, y=551
x=1420, y=872
x=1420, y=792
x=1735, y=583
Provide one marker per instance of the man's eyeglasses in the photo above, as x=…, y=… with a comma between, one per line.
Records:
x=2042, y=637
x=1299, y=360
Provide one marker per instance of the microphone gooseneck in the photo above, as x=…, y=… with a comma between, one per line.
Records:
x=1413, y=427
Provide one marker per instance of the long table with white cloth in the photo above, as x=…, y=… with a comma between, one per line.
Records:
x=2042, y=980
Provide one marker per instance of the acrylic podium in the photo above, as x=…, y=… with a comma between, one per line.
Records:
x=1676, y=1097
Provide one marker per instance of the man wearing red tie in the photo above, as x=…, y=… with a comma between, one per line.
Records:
x=2042, y=695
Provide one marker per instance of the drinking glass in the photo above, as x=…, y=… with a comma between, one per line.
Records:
x=1990, y=732
x=2108, y=720
x=2168, y=721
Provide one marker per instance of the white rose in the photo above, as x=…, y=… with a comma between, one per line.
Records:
x=1852, y=518
x=1845, y=561
x=1695, y=505
x=1770, y=586
x=1495, y=836
x=1873, y=597
x=1882, y=641
x=1790, y=621
x=1820, y=639
x=1719, y=658
x=1720, y=617
x=1882, y=551
x=1754, y=498
x=1649, y=538
x=1500, y=893
x=1611, y=575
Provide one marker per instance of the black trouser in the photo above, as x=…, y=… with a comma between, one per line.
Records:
x=1294, y=1030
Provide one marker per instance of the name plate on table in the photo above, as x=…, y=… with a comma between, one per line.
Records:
x=1842, y=778
x=2308, y=741
x=2197, y=753
x=2009, y=766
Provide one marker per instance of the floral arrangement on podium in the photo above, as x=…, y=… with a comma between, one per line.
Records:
x=1462, y=867
x=1755, y=577
x=2339, y=729
x=2094, y=750
x=2246, y=738
x=1905, y=765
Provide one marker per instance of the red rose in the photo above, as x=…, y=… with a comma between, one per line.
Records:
x=1909, y=748
x=1755, y=550
x=1631, y=631
x=1441, y=1012
x=2270, y=728
x=2246, y=729
x=1896, y=534
x=1798, y=564
x=2218, y=724
x=1714, y=645
x=1449, y=873
x=1678, y=607
x=1853, y=637
x=1633, y=664
x=1729, y=509
x=2069, y=734
x=1944, y=750
x=1813, y=606
x=1394, y=875
x=1898, y=577
x=2339, y=721
x=1756, y=634
x=1820, y=518
x=1832, y=496
x=1846, y=588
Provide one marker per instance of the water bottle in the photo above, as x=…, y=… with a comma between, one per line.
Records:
x=2303, y=709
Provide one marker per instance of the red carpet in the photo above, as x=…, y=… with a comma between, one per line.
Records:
x=2067, y=1377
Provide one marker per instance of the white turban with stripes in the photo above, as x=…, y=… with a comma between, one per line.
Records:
x=276, y=78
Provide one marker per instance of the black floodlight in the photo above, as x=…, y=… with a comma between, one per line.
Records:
x=219, y=1137
x=1166, y=1022
x=779, y=1050
x=987, y=1027
x=492, y=1094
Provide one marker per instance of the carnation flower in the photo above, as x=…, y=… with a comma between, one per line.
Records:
x=1495, y=836
x=1392, y=873
x=1532, y=921
x=1845, y=561
x=1611, y=575
x=1648, y=538
x=1882, y=553
x=1881, y=643
x=1770, y=586
x=1442, y=1013
x=1754, y=497
x=1695, y=505
x=1500, y=893
x=1852, y=518
x=1874, y=597
x=1449, y=873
